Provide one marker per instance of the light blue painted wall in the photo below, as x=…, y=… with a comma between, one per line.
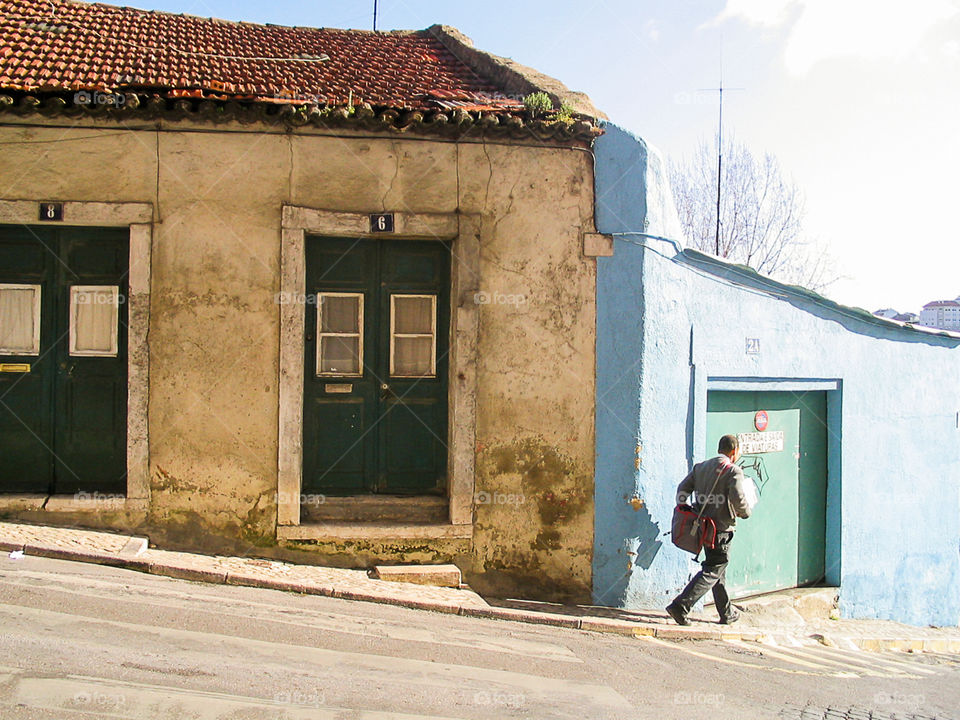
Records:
x=672, y=324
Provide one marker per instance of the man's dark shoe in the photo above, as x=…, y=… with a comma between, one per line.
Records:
x=677, y=614
x=731, y=618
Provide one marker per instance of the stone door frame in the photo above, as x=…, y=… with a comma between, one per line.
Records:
x=464, y=232
x=138, y=217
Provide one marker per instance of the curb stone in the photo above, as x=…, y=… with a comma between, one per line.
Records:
x=243, y=580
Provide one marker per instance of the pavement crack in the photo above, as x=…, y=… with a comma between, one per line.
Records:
x=182, y=672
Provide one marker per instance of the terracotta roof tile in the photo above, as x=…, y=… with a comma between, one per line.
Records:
x=79, y=46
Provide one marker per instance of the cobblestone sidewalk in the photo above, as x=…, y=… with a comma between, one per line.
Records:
x=133, y=553
x=793, y=712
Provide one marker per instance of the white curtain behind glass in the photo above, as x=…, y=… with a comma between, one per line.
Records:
x=18, y=321
x=95, y=316
x=413, y=335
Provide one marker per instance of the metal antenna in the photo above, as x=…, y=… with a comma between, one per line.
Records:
x=374, y=15
x=716, y=237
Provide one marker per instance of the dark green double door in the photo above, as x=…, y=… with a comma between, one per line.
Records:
x=63, y=359
x=375, y=357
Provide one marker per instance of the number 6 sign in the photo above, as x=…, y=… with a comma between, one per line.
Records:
x=381, y=223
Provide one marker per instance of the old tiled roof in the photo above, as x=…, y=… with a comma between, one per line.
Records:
x=93, y=54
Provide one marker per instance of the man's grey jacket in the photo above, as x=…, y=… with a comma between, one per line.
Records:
x=724, y=503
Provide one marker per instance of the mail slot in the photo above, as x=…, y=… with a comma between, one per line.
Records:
x=338, y=387
x=15, y=367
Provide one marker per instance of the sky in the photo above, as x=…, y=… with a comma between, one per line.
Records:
x=859, y=100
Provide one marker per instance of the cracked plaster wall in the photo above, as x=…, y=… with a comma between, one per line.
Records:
x=214, y=326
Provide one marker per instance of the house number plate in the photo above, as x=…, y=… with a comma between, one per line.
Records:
x=382, y=222
x=51, y=211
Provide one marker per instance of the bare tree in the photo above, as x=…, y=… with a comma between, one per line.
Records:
x=761, y=214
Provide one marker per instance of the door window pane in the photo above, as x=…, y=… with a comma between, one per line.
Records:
x=19, y=319
x=339, y=355
x=340, y=314
x=94, y=320
x=414, y=315
x=413, y=335
x=340, y=334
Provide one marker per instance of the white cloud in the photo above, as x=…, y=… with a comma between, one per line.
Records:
x=822, y=29
x=651, y=30
x=758, y=12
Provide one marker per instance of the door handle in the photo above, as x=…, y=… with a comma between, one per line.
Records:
x=386, y=393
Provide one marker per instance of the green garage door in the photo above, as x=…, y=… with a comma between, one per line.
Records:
x=783, y=435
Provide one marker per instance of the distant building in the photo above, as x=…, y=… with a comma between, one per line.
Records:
x=891, y=314
x=942, y=314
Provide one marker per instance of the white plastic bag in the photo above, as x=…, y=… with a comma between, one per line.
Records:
x=750, y=493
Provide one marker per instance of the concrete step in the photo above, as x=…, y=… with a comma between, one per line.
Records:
x=438, y=575
x=794, y=606
x=376, y=508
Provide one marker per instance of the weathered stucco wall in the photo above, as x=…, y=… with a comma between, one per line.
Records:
x=214, y=334
x=669, y=322
x=535, y=437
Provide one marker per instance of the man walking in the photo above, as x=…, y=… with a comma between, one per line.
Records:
x=718, y=485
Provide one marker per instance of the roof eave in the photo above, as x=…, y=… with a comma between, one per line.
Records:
x=455, y=124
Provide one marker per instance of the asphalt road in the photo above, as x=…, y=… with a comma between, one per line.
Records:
x=84, y=641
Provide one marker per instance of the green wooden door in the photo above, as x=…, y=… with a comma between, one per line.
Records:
x=782, y=544
x=63, y=359
x=375, y=358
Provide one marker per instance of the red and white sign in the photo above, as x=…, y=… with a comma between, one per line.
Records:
x=760, y=420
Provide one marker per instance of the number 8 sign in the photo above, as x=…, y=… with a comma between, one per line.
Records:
x=51, y=211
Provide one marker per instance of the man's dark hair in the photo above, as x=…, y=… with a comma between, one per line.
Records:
x=728, y=443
